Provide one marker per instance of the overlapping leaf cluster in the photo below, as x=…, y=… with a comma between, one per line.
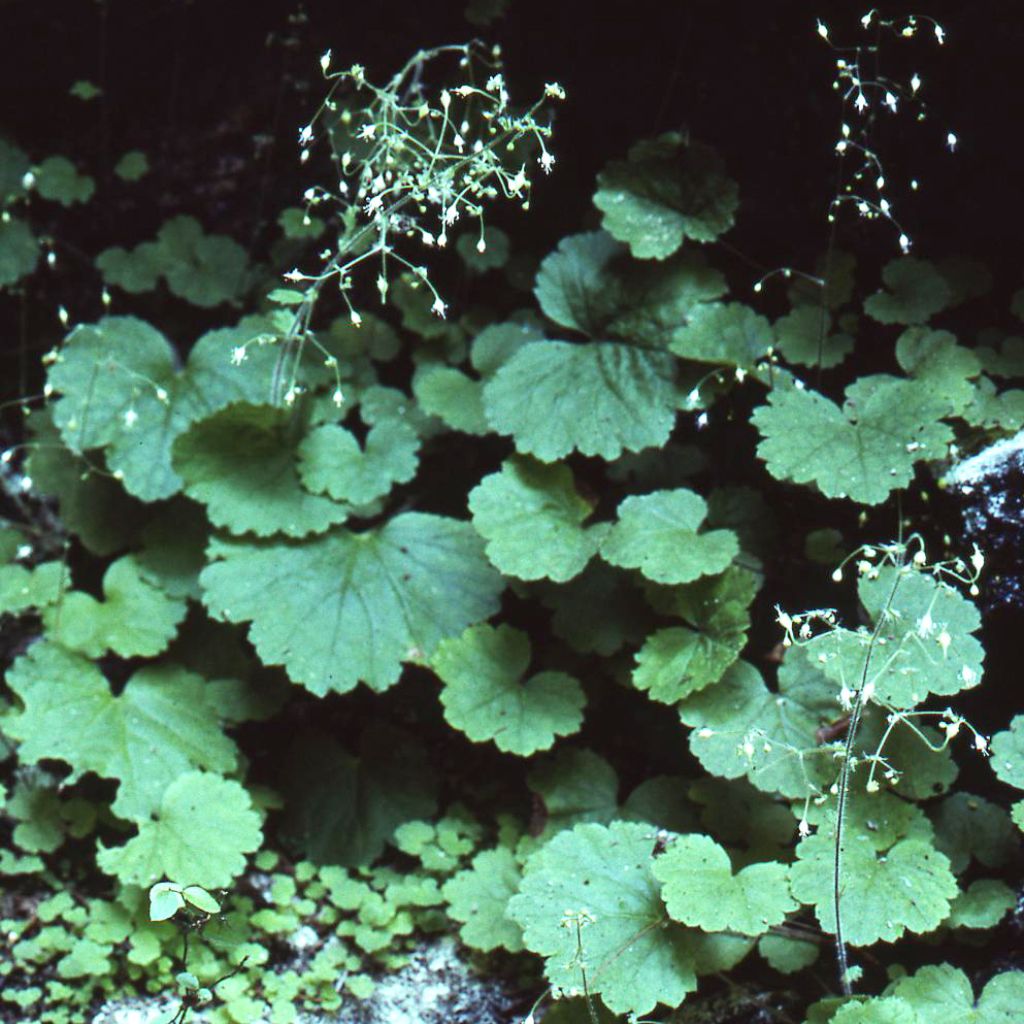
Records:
x=510, y=516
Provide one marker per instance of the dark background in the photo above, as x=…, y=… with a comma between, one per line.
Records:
x=192, y=84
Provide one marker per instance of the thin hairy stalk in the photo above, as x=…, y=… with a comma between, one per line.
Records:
x=856, y=712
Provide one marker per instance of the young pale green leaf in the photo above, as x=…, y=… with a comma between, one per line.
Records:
x=199, y=832
x=165, y=900
x=331, y=461
x=478, y=898
x=740, y=727
x=19, y=251
x=241, y=464
x=678, y=661
x=1008, y=753
x=575, y=786
x=926, y=634
x=158, y=727
x=196, y=896
x=120, y=391
x=724, y=332
x=350, y=607
x=968, y=826
x=917, y=291
x=865, y=450
x=206, y=270
x=14, y=165
x=658, y=534
x=486, y=697
x=340, y=807
x=594, y=887
x=667, y=191
x=135, y=618
x=942, y=994
x=804, y=337
x=597, y=398
x=531, y=517
x=907, y=887
x=700, y=889
x=57, y=179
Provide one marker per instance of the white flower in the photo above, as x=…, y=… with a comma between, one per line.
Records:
x=481, y=246
x=439, y=308
x=951, y=141
x=944, y=640
x=355, y=318
x=325, y=61
x=861, y=103
x=804, y=828
x=904, y=243
x=546, y=161
x=968, y=675
x=980, y=743
x=822, y=29
x=702, y=421
x=783, y=619
x=446, y=99
x=294, y=275
x=837, y=575
x=306, y=135
x=940, y=34
x=238, y=355
x=368, y=131
x=915, y=82
x=925, y=624
x=161, y=395
x=554, y=91
x=130, y=418
x=337, y=398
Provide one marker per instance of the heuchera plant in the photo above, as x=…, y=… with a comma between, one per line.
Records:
x=391, y=532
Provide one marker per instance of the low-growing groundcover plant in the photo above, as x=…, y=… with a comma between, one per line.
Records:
x=367, y=615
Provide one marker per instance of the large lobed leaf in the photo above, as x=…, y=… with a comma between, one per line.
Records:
x=348, y=607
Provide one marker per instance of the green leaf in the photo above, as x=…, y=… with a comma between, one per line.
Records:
x=241, y=464
x=331, y=461
x=594, y=887
x=165, y=900
x=493, y=256
x=135, y=618
x=452, y=396
x=1008, y=753
x=85, y=90
x=588, y=285
x=575, y=786
x=678, y=661
x=968, y=826
x=927, y=636
x=14, y=165
x=597, y=612
x=740, y=727
x=597, y=398
x=495, y=345
x=204, y=269
x=942, y=994
x=58, y=180
x=341, y=808
x=486, y=696
x=350, y=607
x=136, y=271
x=804, y=337
x=296, y=223
x=658, y=534
x=917, y=291
x=478, y=898
x=22, y=589
x=724, y=332
x=984, y=903
x=120, y=391
x=787, y=955
x=198, y=897
x=93, y=506
x=935, y=358
x=132, y=166
x=199, y=833
x=531, y=517
x=700, y=889
x=667, y=191
x=158, y=727
x=907, y=887
x=19, y=251
x=876, y=1011
x=863, y=451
